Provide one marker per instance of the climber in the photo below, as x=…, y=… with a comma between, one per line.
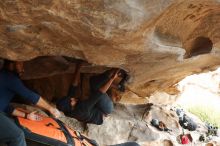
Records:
x=10, y=85
x=98, y=105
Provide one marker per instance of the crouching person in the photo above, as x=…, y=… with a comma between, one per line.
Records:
x=10, y=85
x=97, y=106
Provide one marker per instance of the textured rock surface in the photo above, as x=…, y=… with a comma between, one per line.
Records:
x=132, y=123
x=148, y=38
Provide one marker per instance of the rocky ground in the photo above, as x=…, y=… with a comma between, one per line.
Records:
x=132, y=123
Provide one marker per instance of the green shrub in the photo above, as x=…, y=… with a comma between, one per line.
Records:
x=206, y=114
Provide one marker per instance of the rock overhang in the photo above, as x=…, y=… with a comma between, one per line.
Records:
x=152, y=41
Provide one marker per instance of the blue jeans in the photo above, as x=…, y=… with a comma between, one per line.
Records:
x=10, y=134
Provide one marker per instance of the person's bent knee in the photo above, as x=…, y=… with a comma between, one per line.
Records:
x=106, y=105
x=20, y=136
x=19, y=140
x=16, y=132
x=109, y=108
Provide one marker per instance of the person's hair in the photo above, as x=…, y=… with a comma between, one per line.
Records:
x=124, y=78
x=123, y=74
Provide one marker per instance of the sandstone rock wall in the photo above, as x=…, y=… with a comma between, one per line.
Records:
x=156, y=41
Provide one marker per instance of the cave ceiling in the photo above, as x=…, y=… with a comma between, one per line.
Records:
x=158, y=42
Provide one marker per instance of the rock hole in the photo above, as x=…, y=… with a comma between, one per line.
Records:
x=201, y=45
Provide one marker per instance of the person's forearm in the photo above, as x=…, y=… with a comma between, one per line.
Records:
x=44, y=104
x=106, y=86
x=18, y=113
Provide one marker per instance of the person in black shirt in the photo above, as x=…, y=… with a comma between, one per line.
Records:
x=97, y=106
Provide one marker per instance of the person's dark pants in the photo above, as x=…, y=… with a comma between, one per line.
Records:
x=105, y=104
x=98, y=101
x=10, y=134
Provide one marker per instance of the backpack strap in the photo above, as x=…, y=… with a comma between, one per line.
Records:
x=66, y=132
x=85, y=139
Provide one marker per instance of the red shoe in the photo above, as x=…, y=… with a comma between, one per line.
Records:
x=184, y=139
